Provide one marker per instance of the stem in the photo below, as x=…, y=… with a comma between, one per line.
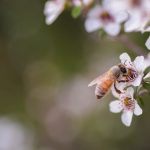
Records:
x=130, y=44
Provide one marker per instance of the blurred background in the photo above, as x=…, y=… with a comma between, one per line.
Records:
x=45, y=103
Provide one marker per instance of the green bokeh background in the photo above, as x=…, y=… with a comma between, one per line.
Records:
x=44, y=73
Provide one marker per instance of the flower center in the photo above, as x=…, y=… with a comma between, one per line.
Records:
x=135, y=3
x=128, y=103
x=106, y=17
x=132, y=74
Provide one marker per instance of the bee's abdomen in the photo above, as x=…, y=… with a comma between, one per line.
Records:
x=102, y=89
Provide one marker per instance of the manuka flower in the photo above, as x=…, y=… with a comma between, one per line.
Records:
x=135, y=69
x=127, y=105
x=53, y=9
x=105, y=18
x=138, y=11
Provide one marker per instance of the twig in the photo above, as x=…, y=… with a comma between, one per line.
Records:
x=130, y=44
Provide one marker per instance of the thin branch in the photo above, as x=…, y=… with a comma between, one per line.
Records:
x=123, y=39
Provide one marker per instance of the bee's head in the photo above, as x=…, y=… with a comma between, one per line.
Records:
x=123, y=69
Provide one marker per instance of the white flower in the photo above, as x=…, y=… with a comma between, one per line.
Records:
x=138, y=10
x=135, y=69
x=53, y=9
x=128, y=105
x=106, y=18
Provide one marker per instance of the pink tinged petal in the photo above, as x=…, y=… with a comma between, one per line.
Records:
x=115, y=106
x=92, y=25
x=139, y=63
x=114, y=93
x=137, y=110
x=112, y=29
x=126, y=118
x=133, y=23
x=52, y=10
x=95, y=12
x=130, y=92
x=50, y=19
x=137, y=80
x=120, y=86
x=77, y=3
x=147, y=44
x=121, y=16
x=125, y=58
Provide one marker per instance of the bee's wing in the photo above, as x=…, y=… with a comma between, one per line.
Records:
x=97, y=80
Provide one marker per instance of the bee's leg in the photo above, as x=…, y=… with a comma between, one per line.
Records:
x=123, y=80
x=116, y=89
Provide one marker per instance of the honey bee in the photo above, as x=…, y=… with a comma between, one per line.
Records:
x=106, y=80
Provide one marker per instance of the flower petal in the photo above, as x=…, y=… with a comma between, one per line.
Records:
x=133, y=22
x=126, y=118
x=125, y=58
x=130, y=92
x=147, y=44
x=120, y=86
x=139, y=63
x=92, y=24
x=137, y=111
x=112, y=29
x=115, y=106
x=121, y=16
x=137, y=80
x=94, y=12
x=52, y=10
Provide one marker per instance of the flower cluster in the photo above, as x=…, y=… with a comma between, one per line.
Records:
x=129, y=85
x=109, y=15
x=131, y=78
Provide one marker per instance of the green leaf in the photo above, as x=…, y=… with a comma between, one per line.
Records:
x=141, y=102
x=76, y=11
x=147, y=86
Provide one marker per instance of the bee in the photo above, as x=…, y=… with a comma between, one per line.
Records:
x=105, y=81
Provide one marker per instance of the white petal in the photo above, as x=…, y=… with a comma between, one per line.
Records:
x=114, y=93
x=95, y=11
x=52, y=10
x=137, y=111
x=50, y=19
x=92, y=24
x=147, y=44
x=125, y=58
x=126, y=118
x=133, y=22
x=139, y=63
x=115, y=106
x=121, y=16
x=147, y=75
x=130, y=92
x=112, y=29
x=147, y=60
x=138, y=80
x=120, y=87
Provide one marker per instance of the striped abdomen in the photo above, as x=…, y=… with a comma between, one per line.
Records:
x=103, y=87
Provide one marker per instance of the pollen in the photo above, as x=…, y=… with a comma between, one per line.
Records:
x=128, y=103
x=105, y=16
